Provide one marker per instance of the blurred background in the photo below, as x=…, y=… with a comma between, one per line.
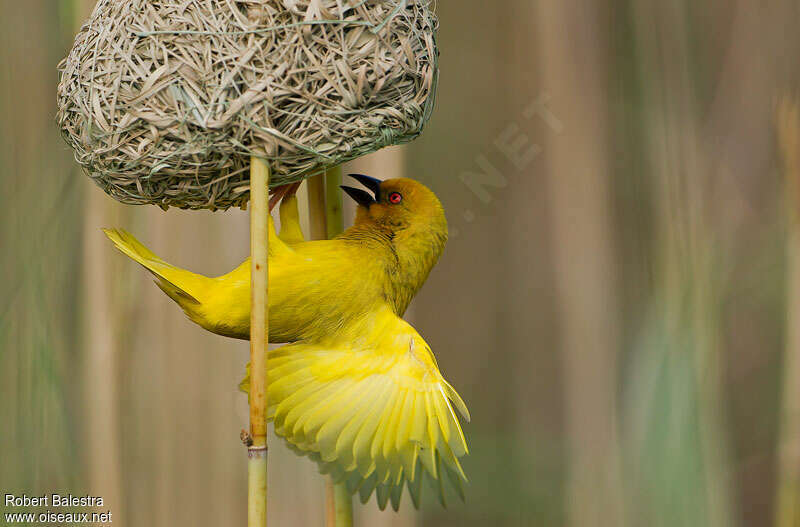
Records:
x=619, y=302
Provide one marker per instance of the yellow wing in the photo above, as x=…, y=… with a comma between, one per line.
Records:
x=377, y=415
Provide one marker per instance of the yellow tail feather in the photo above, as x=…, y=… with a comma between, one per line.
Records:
x=175, y=282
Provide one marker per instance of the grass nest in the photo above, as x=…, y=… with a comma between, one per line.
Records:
x=164, y=101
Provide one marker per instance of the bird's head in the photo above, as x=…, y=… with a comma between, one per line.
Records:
x=402, y=207
x=407, y=215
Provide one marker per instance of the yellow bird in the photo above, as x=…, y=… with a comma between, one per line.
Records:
x=367, y=401
x=358, y=391
x=316, y=287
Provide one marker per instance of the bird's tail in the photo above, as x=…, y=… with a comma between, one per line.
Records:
x=180, y=285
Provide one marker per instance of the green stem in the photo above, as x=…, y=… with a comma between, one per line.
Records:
x=339, y=504
x=343, y=503
x=333, y=202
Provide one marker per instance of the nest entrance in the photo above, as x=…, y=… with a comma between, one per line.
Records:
x=164, y=101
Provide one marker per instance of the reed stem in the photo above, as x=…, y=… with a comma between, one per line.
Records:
x=257, y=450
x=327, y=221
x=338, y=493
x=787, y=506
x=338, y=504
x=316, y=207
x=334, y=218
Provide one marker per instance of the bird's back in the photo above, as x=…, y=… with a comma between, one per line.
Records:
x=318, y=288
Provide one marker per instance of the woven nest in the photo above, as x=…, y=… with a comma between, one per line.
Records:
x=164, y=101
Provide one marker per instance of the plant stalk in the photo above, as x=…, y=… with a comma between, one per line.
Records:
x=316, y=207
x=259, y=333
x=338, y=504
x=787, y=506
x=327, y=221
x=334, y=218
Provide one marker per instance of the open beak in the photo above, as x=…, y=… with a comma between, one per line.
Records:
x=360, y=196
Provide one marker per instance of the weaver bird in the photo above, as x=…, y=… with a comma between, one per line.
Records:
x=358, y=390
x=317, y=287
x=367, y=401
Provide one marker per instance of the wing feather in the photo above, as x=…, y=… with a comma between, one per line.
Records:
x=329, y=433
x=415, y=489
x=433, y=435
x=396, y=494
x=376, y=452
x=292, y=408
x=367, y=487
x=368, y=419
x=371, y=415
x=452, y=394
x=382, y=494
x=361, y=446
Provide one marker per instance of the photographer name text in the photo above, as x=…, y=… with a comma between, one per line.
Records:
x=53, y=501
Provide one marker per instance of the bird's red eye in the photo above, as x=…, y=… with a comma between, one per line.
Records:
x=395, y=197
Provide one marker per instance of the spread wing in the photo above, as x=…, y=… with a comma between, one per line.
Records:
x=377, y=416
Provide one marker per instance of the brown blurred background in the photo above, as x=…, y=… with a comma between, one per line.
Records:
x=617, y=304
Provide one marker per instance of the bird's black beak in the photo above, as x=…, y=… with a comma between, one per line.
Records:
x=361, y=197
x=370, y=182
